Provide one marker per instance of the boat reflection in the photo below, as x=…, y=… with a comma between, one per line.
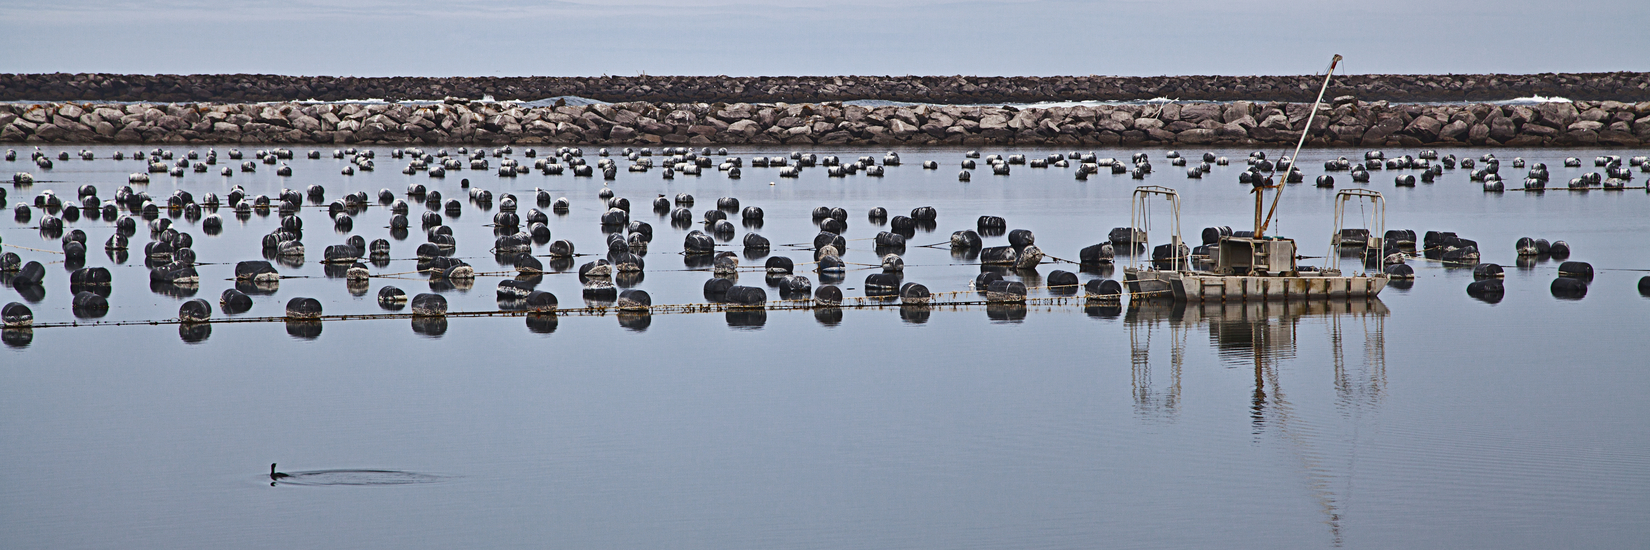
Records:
x=1162, y=319
x=1263, y=336
x=1259, y=335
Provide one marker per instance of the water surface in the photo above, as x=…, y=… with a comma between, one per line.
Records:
x=1427, y=418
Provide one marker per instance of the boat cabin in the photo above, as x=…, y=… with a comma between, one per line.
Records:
x=1254, y=257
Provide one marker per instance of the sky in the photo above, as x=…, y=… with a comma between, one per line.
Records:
x=792, y=37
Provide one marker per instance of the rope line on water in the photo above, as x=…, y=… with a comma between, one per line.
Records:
x=600, y=311
x=33, y=249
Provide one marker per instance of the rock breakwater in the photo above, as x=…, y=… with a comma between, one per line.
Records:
x=1345, y=121
x=952, y=90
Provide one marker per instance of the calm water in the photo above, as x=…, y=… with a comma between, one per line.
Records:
x=1427, y=418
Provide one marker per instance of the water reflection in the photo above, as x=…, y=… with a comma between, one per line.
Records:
x=303, y=330
x=30, y=293
x=828, y=316
x=17, y=337
x=103, y=290
x=264, y=287
x=1103, y=310
x=747, y=319
x=430, y=326
x=635, y=321
x=359, y=478
x=1005, y=313
x=1145, y=320
x=915, y=314
x=628, y=279
x=1262, y=336
x=542, y=323
x=175, y=290
x=194, y=333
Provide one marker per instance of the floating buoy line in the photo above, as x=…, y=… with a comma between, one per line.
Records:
x=1049, y=303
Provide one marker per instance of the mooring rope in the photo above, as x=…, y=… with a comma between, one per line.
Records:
x=600, y=311
x=34, y=249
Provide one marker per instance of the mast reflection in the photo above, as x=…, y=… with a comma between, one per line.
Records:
x=1163, y=319
x=1261, y=336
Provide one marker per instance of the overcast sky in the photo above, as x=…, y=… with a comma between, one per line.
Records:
x=790, y=37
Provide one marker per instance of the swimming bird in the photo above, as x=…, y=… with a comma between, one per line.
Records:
x=276, y=475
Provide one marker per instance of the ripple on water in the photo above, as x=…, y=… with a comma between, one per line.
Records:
x=320, y=478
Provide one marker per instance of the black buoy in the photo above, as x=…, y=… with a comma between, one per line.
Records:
x=984, y=280
x=512, y=289
x=392, y=298
x=795, y=287
x=634, y=300
x=234, y=301
x=1096, y=254
x=1058, y=278
x=90, y=277
x=885, y=239
x=195, y=311
x=1020, y=238
x=1559, y=250
x=1489, y=271
x=829, y=295
x=716, y=289
x=540, y=301
x=1581, y=271
x=428, y=305
x=1003, y=291
x=30, y=274
x=915, y=293
x=991, y=225
x=830, y=264
x=10, y=261
x=1400, y=272
x=16, y=315
x=882, y=284
x=1103, y=289
x=697, y=242
x=303, y=308
x=746, y=295
x=998, y=255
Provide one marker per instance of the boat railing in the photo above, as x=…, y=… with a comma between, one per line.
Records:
x=1374, y=219
x=1140, y=220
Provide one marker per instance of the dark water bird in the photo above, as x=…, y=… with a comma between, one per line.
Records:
x=274, y=475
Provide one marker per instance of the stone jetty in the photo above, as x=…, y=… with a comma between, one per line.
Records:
x=948, y=90
x=1345, y=121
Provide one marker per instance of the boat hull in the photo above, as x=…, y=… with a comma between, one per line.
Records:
x=1200, y=287
x=1191, y=286
x=1149, y=283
